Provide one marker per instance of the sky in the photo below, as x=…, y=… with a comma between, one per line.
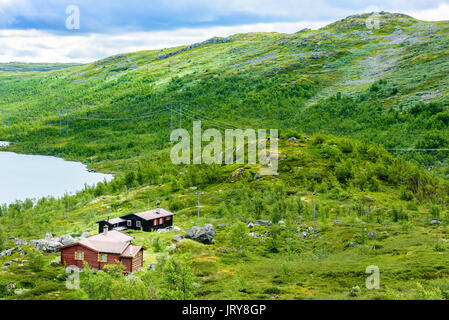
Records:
x=84, y=31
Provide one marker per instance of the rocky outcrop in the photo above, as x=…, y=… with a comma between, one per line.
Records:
x=201, y=234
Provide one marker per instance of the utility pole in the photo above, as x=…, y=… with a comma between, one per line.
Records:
x=60, y=122
x=314, y=209
x=199, y=193
x=67, y=197
x=171, y=118
x=180, y=115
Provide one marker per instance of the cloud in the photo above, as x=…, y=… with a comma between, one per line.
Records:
x=43, y=46
x=35, y=30
x=115, y=16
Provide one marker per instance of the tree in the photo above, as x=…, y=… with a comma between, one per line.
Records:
x=178, y=281
x=238, y=237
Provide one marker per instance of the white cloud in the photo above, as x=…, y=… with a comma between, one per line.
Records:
x=40, y=46
x=435, y=14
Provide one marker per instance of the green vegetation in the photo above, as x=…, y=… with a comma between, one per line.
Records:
x=346, y=93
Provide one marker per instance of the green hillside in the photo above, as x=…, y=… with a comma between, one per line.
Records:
x=356, y=99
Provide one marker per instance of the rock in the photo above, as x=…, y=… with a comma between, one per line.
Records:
x=336, y=223
x=201, y=234
x=48, y=236
x=352, y=293
x=310, y=229
x=47, y=246
x=162, y=230
x=266, y=234
x=356, y=288
x=282, y=222
x=263, y=223
x=11, y=286
x=8, y=252
x=21, y=291
x=353, y=244
x=303, y=235
x=434, y=222
x=7, y=263
x=176, y=229
x=152, y=266
x=66, y=240
x=221, y=226
x=84, y=235
x=20, y=242
x=170, y=248
x=254, y=235
x=250, y=225
x=178, y=238
x=372, y=234
x=223, y=250
x=257, y=176
x=291, y=139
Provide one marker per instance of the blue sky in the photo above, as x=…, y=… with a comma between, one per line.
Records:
x=35, y=30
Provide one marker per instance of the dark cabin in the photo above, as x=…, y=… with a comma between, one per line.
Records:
x=151, y=220
x=112, y=224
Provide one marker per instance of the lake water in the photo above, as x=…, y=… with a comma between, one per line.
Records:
x=30, y=176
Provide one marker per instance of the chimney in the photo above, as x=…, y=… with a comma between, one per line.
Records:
x=105, y=229
x=131, y=249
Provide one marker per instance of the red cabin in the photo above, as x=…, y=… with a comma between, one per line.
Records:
x=109, y=247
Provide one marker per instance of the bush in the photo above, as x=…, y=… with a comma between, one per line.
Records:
x=36, y=261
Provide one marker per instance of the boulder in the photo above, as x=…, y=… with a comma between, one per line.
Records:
x=221, y=226
x=67, y=239
x=336, y=223
x=84, y=235
x=223, y=251
x=254, y=235
x=162, y=230
x=303, y=235
x=47, y=246
x=353, y=244
x=250, y=225
x=201, y=234
x=48, y=236
x=151, y=266
x=434, y=222
x=263, y=223
x=20, y=242
x=372, y=234
x=176, y=229
x=178, y=238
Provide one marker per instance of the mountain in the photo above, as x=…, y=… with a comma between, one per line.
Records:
x=350, y=101
x=347, y=79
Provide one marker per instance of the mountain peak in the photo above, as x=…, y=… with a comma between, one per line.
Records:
x=355, y=22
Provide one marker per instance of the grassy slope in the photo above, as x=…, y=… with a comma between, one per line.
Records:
x=407, y=250
x=252, y=80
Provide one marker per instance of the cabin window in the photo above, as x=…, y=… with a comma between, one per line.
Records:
x=168, y=218
x=161, y=220
x=155, y=222
x=138, y=224
x=129, y=223
x=79, y=255
x=102, y=257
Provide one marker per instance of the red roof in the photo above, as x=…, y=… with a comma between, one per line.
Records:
x=114, y=241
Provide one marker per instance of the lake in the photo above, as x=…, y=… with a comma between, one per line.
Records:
x=30, y=176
